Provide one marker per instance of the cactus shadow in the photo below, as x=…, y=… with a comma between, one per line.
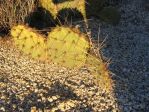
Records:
x=69, y=15
x=59, y=1
x=40, y=19
x=42, y=99
x=4, y=31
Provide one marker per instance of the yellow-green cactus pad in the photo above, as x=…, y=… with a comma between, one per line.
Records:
x=54, y=9
x=64, y=46
x=75, y=4
x=67, y=47
x=29, y=42
x=100, y=70
x=50, y=6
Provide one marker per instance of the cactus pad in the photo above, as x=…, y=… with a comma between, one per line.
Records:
x=100, y=70
x=28, y=41
x=64, y=46
x=54, y=9
x=67, y=46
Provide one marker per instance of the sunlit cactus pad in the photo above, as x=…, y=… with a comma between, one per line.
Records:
x=29, y=42
x=64, y=46
x=54, y=9
x=67, y=46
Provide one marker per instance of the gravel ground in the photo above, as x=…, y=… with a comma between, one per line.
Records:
x=128, y=47
x=27, y=84
x=47, y=87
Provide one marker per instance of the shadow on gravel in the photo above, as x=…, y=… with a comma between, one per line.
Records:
x=127, y=46
x=44, y=99
x=130, y=65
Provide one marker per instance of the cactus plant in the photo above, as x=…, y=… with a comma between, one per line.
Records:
x=29, y=41
x=67, y=46
x=100, y=71
x=87, y=8
x=64, y=46
x=54, y=9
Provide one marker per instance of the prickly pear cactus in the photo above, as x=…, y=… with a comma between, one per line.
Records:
x=67, y=46
x=54, y=9
x=29, y=42
x=100, y=71
x=64, y=46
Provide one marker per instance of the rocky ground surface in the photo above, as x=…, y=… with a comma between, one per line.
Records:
x=47, y=87
x=127, y=44
x=30, y=85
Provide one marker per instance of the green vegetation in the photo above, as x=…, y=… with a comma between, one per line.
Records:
x=64, y=45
